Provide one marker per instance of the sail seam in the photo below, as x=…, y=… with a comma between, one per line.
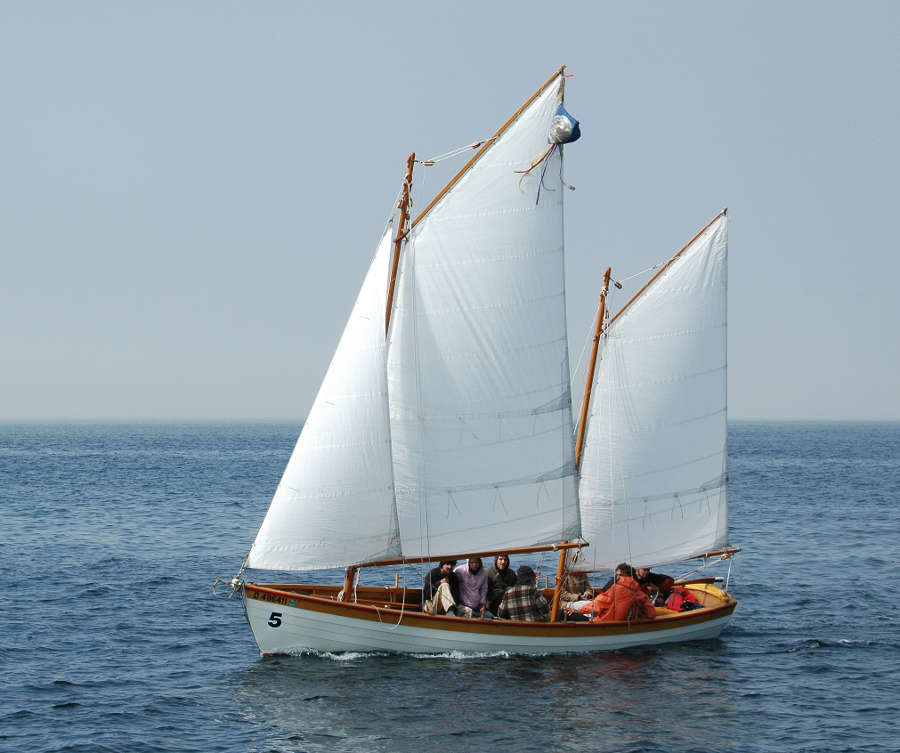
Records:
x=716, y=484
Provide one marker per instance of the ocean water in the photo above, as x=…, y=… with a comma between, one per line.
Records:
x=112, y=640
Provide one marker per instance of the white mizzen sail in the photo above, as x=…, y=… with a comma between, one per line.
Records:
x=335, y=502
x=478, y=370
x=653, y=485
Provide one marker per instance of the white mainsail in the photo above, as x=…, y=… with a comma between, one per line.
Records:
x=454, y=433
x=478, y=368
x=653, y=486
x=335, y=503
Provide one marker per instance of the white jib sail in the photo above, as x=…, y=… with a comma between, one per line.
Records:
x=653, y=485
x=334, y=505
x=478, y=371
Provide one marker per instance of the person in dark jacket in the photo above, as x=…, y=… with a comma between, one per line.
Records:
x=500, y=577
x=656, y=585
x=440, y=591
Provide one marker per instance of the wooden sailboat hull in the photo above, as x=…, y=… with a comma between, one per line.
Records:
x=288, y=622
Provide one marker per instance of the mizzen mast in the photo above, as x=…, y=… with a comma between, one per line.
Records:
x=598, y=329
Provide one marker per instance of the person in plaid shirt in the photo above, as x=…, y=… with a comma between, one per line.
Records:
x=522, y=601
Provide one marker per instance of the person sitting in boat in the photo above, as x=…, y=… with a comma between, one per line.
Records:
x=500, y=577
x=656, y=585
x=440, y=591
x=575, y=587
x=522, y=601
x=473, y=588
x=623, y=601
x=657, y=598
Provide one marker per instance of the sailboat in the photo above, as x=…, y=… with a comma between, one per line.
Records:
x=444, y=426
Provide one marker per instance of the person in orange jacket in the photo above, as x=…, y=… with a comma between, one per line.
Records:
x=625, y=600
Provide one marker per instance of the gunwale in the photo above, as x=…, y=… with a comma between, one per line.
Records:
x=389, y=615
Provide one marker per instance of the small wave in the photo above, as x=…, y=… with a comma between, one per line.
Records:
x=20, y=714
x=96, y=590
x=857, y=642
x=816, y=643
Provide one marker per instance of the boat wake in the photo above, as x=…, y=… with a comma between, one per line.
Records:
x=455, y=655
x=346, y=656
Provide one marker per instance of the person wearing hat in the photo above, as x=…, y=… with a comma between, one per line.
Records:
x=522, y=601
x=440, y=591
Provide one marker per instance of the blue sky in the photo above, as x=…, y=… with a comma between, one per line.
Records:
x=191, y=192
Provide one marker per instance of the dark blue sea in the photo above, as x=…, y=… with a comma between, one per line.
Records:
x=111, y=638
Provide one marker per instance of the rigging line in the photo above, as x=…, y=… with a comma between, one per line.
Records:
x=709, y=563
x=422, y=505
x=236, y=582
x=402, y=603
x=663, y=263
x=561, y=163
x=538, y=159
x=454, y=152
x=556, y=147
x=642, y=272
x=610, y=298
x=395, y=205
x=392, y=214
x=625, y=495
x=577, y=371
x=668, y=264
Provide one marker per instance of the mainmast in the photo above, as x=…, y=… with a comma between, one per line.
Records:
x=402, y=230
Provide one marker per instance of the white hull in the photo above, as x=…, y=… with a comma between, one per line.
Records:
x=320, y=625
